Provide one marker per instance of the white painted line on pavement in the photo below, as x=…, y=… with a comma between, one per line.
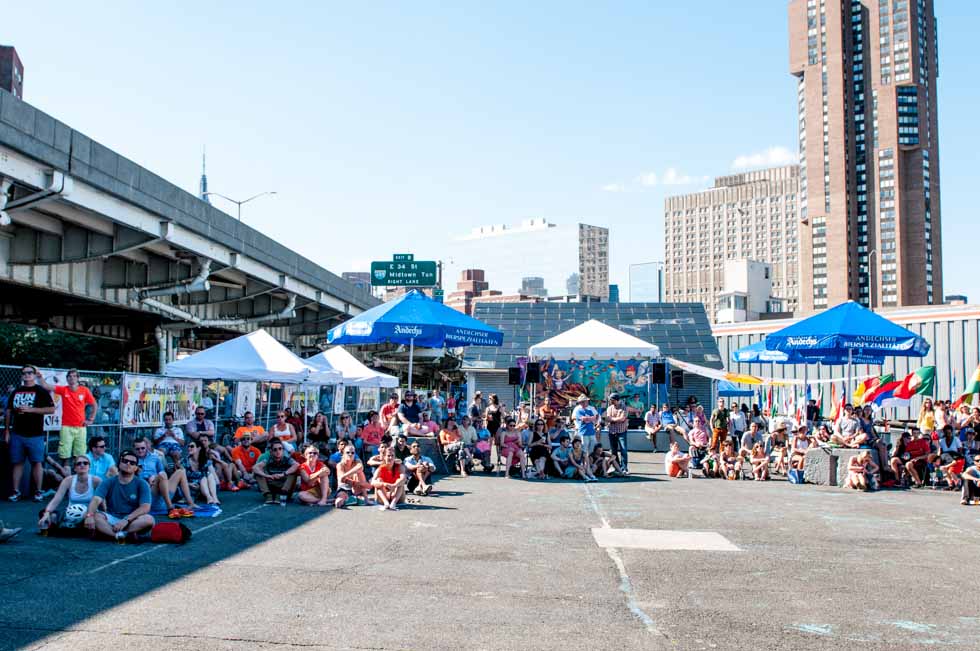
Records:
x=625, y=584
x=159, y=547
x=663, y=540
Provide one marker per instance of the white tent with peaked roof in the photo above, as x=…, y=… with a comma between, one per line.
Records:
x=355, y=373
x=253, y=357
x=594, y=339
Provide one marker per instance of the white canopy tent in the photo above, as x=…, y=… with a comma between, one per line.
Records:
x=354, y=372
x=254, y=357
x=594, y=339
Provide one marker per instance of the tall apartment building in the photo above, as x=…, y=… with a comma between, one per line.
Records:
x=752, y=215
x=536, y=248
x=11, y=71
x=869, y=152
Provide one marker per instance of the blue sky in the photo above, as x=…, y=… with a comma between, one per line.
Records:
x=391, y=127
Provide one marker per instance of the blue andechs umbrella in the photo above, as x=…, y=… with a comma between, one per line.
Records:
x=415, y=319
x=757, y=354
x=847, y=330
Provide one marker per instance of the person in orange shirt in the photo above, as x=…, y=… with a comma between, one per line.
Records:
x=388, y=411
x=77, y=413
x=372, y=433
x=257, y=432
x=314, y=477
x=389, y=483
x=452, y=444
x=245, y=455
x=352, y=487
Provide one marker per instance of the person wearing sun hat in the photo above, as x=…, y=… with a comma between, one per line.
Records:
x=586, y=421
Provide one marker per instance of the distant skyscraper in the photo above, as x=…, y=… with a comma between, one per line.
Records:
x=535, y=248
x=204, y=177
x=751, y=216
x=11, y=71
x=614, y=293
x=533, y=286
x=869, y=153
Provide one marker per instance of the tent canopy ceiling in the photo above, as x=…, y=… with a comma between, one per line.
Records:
x=354, y=372
x=594, y=339
x=254, y=357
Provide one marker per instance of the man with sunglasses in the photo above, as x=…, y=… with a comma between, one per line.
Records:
x=126, y=499
x=152, y=470
x=275, y=472
x=418, y=469
x=103, y=465
x=410, y=416
x=26, y=407
x=257, y=432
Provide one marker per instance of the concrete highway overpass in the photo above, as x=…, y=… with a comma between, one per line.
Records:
x=92, y=243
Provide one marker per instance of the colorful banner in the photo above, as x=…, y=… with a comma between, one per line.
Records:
x=745, y=378
x=562, y=381
x=293, y=397
x=146, y=398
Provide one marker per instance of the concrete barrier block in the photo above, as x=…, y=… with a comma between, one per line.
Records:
x=820, y=467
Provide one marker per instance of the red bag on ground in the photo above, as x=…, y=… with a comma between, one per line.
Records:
x=170, y=532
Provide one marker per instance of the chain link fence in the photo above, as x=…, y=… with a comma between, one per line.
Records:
x=218, y=400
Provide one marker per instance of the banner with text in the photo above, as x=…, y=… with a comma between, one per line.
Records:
x=146, y=398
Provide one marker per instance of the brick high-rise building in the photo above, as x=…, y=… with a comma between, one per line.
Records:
x=869, y=151
x=752, y=215
x=11, y=71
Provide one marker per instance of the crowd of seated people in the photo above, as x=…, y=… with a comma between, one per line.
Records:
x=177, y=469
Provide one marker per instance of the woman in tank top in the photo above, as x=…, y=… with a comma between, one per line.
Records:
x=79, y=488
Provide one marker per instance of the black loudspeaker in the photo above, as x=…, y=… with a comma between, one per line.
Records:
x=533, y=373
x=658, y=373
x=676, y=379
x=514, y=375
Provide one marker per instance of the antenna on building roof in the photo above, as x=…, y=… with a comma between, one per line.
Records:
x=204, y=175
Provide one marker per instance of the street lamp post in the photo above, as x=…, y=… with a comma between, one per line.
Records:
x=238, y=203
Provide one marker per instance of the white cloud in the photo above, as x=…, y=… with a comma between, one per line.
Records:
x=772, y=157
x=673, y=177
x=614, y=187
x=648, y=179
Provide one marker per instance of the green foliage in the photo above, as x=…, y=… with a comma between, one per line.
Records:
x=21, y=344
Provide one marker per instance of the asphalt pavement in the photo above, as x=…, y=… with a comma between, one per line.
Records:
x=493, y=563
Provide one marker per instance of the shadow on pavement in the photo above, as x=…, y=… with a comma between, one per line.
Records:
x=49, y=584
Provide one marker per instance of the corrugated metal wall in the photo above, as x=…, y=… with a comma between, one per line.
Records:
x=955, y=353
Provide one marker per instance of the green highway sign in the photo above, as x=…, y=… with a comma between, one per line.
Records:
x=403, y=257
x=403, y=273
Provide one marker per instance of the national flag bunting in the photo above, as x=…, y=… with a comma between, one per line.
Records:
x=866, y=389
x=898, y=394
x=970, y=391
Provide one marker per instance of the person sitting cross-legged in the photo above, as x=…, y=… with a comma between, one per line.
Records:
x=731, y=461
x=275, y=472
x=314, y=478
x=559, y=457
x=418, y=469
x=388, y=482
x=245, y=455
x=351, y=484
x=604, y=464
x=126, y=499
x=451, y=440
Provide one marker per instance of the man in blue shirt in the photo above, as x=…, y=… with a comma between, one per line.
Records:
x=418, y=468
x=437, y=407
x=103, y=465
x=152, y=470
x=586, y=421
